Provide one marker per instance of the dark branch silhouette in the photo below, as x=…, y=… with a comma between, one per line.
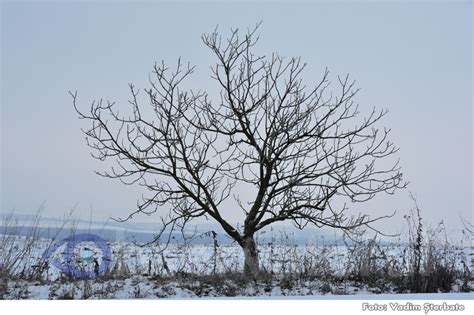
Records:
x=294, y=148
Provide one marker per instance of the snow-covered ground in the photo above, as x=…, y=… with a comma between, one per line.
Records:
x=212, y=271
x=135, y=259
x=152, y=288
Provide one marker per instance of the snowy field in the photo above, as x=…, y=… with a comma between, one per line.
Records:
x=214, y=271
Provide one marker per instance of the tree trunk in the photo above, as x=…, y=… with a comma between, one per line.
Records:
x=251, y=267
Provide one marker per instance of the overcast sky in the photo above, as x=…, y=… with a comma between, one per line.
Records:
x=414, y=59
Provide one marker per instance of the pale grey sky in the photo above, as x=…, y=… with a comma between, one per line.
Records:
x=413, y=58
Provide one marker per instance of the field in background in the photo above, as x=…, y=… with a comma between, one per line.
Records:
x=201, y=265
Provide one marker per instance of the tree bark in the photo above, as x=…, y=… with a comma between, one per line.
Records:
x=251, y=265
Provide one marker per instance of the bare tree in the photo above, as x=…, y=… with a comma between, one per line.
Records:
x=292, y=149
